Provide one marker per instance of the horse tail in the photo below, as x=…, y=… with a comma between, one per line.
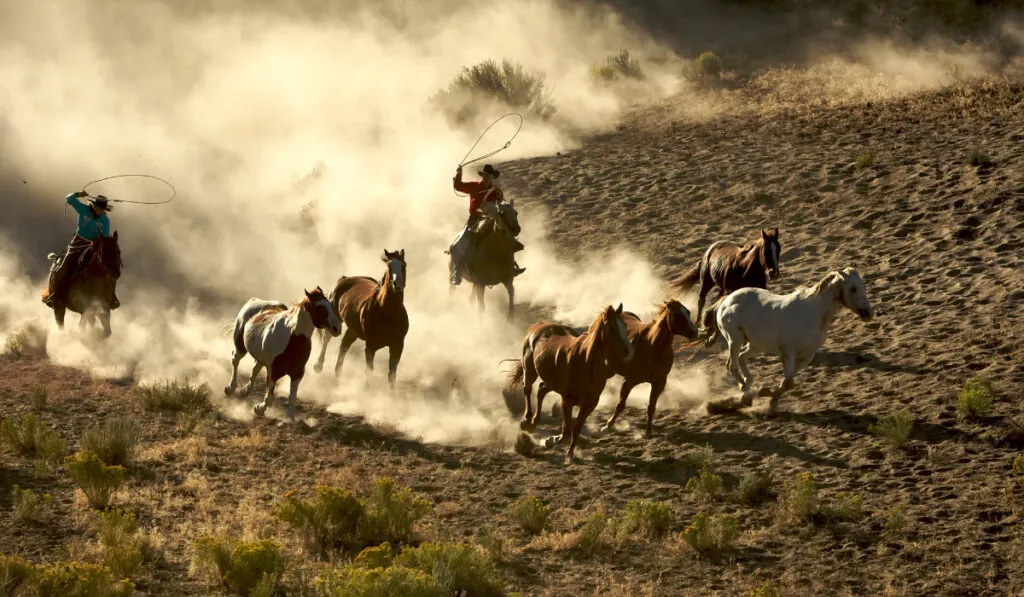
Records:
x=689, y=278
x=516, y=376
x=710, y=323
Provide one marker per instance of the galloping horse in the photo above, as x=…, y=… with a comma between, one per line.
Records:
x=373, y=312
x=729, y=267
x=89, y=290
x=281, y=340
x=793, y=325
x=574, y=366
x=654, y=355
x=492, y=258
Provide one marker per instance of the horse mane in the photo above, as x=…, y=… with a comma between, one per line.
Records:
x=590, y=337
x=827, y=281
x=653, y=330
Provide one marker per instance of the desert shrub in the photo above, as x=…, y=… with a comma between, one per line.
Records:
x=392, y=581
x=894, y=428
x=896, y=521
x=177, y=396
x=240, y=566
x=114, y=441
x=844, y=507
x=507, y=84
x=800, y=502
x=379, y=556
x=29, y=507
x=646, y=518
x=330, y=521
x=39, y=397
x=706, y=485
x=865, y=160
x=14, y=345
x=618, y=65
x=455, y=567
x=493, y=543
x=590, y=536
x=97, y=480
x=756, y=487
x=15, y=574
x=975, y=398
x=76, y=579
x=709, y=535
x=765, y=589
x=707, y=67
x=530, y=514
x=699, y=458
x=31, y=437
x=390, y=513
x=124, y=547
x=977, y=157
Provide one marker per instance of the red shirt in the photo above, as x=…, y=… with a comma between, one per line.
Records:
x=477, y=194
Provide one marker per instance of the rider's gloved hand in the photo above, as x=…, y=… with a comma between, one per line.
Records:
x=81, y=194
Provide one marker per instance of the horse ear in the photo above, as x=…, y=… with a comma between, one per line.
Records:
x=114, y=236
x=619, y=310
x=307, y=293
x=776, y=232
x=402, y=254
x=511, y=202
x=763, y=233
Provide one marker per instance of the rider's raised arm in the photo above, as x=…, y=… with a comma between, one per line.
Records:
x=466, y=187
x=78, y=206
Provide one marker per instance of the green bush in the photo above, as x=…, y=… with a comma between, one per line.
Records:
x=177, y=396
x=76, y=579
x=330, y=521
x=844, y=507
x=455, y=567
x=646, y=518
x=531, y=514
x=240, y=566
x=507, y=84
x=33, y=438
x=114, y=441
x=97, y=480
x=894, y=428
x=865, y=160
x=15, y=573
x=711, y=535
x=756, y=488
x=124, y=547
x=975, y=398
x=706, y=485
x=390, y=513
x=379, y=556
x=800, y=502
x=393, y=581
x=1018, y=471
x=29, y=507
x=591, y=535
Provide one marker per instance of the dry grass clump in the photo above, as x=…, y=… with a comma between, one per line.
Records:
x=711, y=536
x=33, y=438
x=975, y=399
x=530, y=514
x=894, y=428
x=27, y=506
x=114, y=441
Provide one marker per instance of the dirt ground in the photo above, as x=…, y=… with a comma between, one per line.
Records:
x=940, y=244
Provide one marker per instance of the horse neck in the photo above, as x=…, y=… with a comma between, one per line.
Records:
x=658, y=332
x=591, y=345
x=387, y=297
x=827, y=299
x=300, y=322
x=752, y=259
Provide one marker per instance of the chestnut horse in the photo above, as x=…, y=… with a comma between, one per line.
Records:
x=373, y=312
x=574, y=366
x=491, y=258
x=279, y=339
x=90, y=288
x=654, y=354
x=729, y=267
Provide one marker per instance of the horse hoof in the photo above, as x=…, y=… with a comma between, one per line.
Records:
x=228, y=390
x=527, y=426
x=551, y=441
x=318, y=367
x=568, y=459
x=259, y=410
x=607, y=428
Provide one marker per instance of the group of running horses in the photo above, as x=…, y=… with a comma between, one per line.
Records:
x=572, y=362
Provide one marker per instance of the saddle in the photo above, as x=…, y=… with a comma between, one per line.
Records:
x=492, y=216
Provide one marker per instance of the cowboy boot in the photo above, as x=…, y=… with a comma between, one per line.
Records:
x=517, y=246
x=516, y=270
x=455, y=275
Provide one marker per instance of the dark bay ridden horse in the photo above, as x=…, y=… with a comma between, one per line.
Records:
x=729, y=267
x=574, y=366
x=491, y=259
x=654, y=354
x=91, y=287
x=373, y=312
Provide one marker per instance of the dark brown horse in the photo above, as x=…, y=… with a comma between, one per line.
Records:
x=729, y=267
x=654, y=355
x=373, y=312
x=574, y=366
x=90, y=288
x=491, y=260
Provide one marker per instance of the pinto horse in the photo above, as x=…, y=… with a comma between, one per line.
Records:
x=654, y=355
x=793, y=325
x=729, y=267
x=373, y=312
x=280, y=339
x=574, y=366
x=90, y=288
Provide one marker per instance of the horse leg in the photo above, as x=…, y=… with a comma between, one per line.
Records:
x=627, y=387
x=788, y=371
x=542, y=390
x=706, y=284
x=325, y=339
x=585, y=410
x=741, y=363
x=529, y=421
x=104, y=318
x=58, y=315
x=657, y=387
x=370, y=353
x=252, y=378
x=567, y=404
x=510, y=288
x=394, y=355
x=346, y=343
x=478, y=294
x=293, y=391
x=236, y=357
x=268, y=397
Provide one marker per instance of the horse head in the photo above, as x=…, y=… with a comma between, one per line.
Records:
x=849, y=289
x=618, y=348
x=679, y=321
x=322, y=311
x=508, y=214
x=770, y=252
x=108, y=253
x=395, y=274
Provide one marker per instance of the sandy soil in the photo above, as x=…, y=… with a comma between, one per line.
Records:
x=940, y=244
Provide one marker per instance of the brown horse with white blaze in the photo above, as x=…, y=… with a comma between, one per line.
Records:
x=374, y=312
x=574, y=366
x=729, y=266
x=654, y=354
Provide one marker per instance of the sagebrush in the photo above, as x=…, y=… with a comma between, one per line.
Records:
x=238, y=566
x=894, y=428
x=27, y=506
x=711, y=535
x=507, y=84
x=114, y=441
x=530, y=514
x=176, y=396
x=95, y=478
x=975, y=398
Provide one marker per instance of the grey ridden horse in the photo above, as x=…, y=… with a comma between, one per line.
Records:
x=280, y=339
x=574, y=366
x=373, y=312
x=793, y=326
x=491, y=260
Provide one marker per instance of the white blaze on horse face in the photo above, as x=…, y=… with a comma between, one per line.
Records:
x=333, y=322
x=397, y=269
x=624, y=337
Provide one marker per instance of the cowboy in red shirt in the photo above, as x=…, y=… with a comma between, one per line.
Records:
x=484, y=191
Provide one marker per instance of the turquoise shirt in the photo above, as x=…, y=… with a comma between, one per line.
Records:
x=90, y=227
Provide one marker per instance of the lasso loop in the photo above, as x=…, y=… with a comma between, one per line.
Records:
x=174, y=191
x=496, y=151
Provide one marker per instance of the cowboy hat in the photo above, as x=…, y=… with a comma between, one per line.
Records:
x=489, y=169
x=101, y=202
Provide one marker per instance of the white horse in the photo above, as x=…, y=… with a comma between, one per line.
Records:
x=280, y=339
x=793, y=325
